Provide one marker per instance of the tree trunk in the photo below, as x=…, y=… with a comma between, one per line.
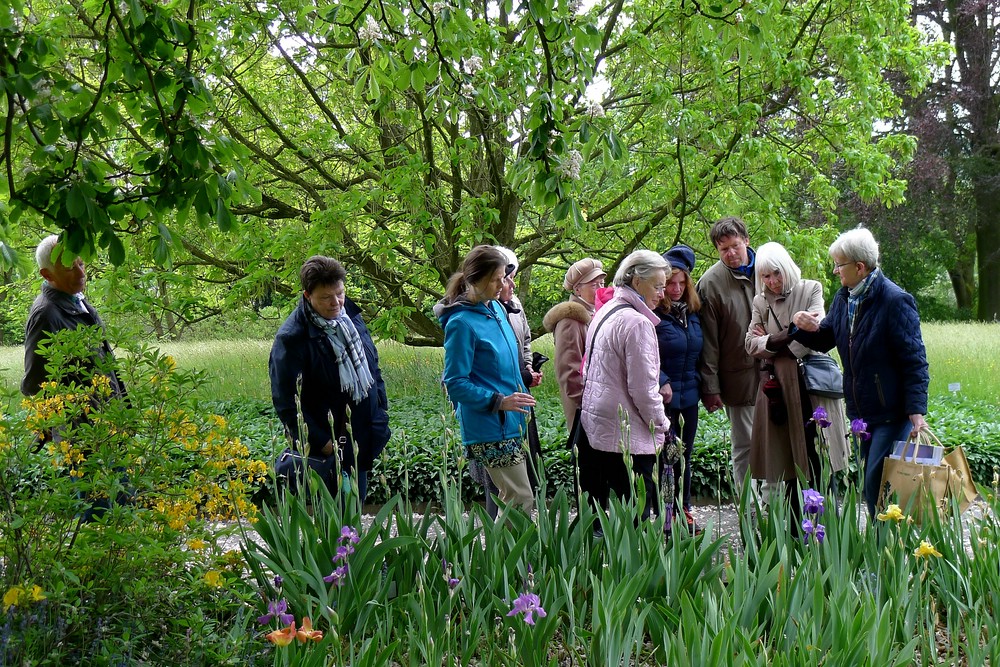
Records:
x=988, y=249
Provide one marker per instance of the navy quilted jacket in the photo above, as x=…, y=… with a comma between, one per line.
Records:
x=885, y=363
x=680, y=349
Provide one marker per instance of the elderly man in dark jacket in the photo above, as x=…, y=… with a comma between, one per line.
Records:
x=61, y=305
x=325, y=344
x=876, y=329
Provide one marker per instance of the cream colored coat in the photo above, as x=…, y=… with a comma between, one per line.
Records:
x=777, y=451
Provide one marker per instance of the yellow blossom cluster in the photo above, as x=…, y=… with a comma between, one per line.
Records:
x=21, y=595
x=67, y=455
x=213, y=578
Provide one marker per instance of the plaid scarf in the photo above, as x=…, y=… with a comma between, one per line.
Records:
x=355, y=378
x=679, y=309
x=855, y=296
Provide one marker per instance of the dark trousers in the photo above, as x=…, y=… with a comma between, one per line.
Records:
x=606, y=472
x=687, y=418
x=874, y=452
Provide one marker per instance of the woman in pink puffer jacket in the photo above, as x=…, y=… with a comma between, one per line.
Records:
x=622, y=380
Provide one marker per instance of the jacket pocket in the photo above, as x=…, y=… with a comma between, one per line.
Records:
x=878, y=388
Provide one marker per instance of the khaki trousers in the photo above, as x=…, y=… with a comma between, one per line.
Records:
x=512, y=481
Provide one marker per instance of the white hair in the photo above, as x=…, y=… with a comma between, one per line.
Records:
x=509, y=254
x=43, y=253
x=773, y=257
x=857, y=245
x=641, y=263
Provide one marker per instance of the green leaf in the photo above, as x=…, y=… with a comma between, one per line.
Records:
x=223, y=217
x=562, y=209
x=76, y=202
x=116, y=251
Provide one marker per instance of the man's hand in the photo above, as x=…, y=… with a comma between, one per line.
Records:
x=667, y=392
x=536, y=378
x=327, y=449
x=712, y=402
x=806, y=321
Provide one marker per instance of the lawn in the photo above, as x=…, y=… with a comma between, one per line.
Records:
x=963, y=354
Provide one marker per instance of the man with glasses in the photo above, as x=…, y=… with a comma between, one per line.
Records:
x=728, y=374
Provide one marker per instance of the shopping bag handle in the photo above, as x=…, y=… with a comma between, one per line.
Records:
x=922, y=437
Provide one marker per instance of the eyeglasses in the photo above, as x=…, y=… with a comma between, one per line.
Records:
x=840, y=266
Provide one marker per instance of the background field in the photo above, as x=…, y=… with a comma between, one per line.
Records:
x=968, y=354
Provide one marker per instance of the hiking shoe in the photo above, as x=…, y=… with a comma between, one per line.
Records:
x=692, y=525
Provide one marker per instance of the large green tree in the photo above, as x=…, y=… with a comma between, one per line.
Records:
x=396, y=134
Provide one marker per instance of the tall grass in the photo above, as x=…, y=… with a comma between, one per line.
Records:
x=968, y=354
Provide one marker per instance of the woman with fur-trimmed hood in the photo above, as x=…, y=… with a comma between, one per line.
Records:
x=568, y=322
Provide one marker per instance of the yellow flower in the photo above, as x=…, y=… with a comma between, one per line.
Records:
x=214, y=579
x=926, y=549
x=36, y=593
x=196, y=544
x=11, y=597
x=892, y=513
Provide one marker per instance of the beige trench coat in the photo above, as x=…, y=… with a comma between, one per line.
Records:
x=777, y=452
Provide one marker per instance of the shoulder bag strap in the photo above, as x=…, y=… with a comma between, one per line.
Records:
x=593, y=337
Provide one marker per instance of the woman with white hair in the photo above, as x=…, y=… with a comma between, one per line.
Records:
x=876, y=329
x=623, y=411
x=783, y=444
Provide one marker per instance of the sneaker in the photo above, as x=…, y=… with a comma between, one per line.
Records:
x=692, y=525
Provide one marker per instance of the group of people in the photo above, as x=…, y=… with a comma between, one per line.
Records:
x=632, y=363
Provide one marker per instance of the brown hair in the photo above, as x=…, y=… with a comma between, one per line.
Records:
x=690, y=295
x=481, y=262
x=319, y=271
x=729, y=226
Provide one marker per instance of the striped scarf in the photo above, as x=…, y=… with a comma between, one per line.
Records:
x=355, y=377
x=855, y=296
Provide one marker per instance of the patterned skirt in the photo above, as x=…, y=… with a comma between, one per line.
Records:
x=502, y=454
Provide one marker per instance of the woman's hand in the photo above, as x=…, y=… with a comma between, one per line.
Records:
x=667, y=392
x=536, y=379
x=517, y=402
x=919, y=424
x=806, y=321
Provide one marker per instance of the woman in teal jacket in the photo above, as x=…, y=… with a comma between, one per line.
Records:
x=482, y=373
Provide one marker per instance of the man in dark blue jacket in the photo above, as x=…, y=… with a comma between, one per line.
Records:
x=324, y=353
x=876, y=329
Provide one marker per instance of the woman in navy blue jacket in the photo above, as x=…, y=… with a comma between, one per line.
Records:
x=680, y=342
x=325, y=343
x=482, y=373
x=876, y=329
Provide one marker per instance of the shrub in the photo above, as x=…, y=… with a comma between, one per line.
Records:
x=107, y=534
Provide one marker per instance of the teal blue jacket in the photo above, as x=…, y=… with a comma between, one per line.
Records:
x=481, y=366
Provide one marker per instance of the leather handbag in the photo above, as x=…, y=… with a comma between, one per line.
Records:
x=822, y=376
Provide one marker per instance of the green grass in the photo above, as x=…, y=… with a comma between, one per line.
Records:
x=968, y=354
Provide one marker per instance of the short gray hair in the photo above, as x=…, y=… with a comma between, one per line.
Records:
x=857, y=245
x=511, y=257
x=773, y=257
x=641, y=263
x=43, y=253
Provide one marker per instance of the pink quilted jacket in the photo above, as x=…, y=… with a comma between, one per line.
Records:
x=624, y=371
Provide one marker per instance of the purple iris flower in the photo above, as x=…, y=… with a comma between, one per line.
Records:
x=821, y=417
x=276, y=610
x=860, y=429
x=343, y=551
x=350, y=534
x=338, y=577
x=278, y=581
x=528, y=604
x=807, y=529
x=820, y=532
x=812, y=502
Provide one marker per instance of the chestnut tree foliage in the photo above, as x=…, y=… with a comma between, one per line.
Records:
x=395, y=134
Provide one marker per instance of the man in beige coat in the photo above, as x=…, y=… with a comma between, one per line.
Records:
x=728, y=374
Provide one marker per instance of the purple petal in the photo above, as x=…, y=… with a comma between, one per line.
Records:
x=286, y=619
x=265, y=619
